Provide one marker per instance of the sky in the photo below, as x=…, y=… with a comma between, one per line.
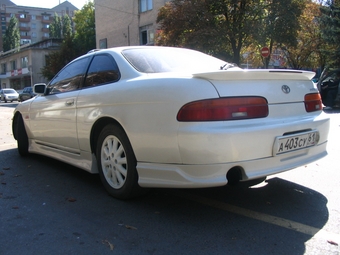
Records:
x=48, y=3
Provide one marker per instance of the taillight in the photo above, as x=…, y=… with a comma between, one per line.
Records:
x=228, y=108
x=313, y=102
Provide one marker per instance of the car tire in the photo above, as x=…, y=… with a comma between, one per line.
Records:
x=22, y=138
x=117, y=163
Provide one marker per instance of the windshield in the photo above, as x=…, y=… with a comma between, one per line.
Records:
x=161, y=59
x=9, y=91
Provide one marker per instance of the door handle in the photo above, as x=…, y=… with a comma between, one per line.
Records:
x=70, y=102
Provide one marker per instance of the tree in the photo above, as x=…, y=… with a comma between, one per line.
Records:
x=56, y=27
x=238, y=21
x=220, y=28
x=307, y=52
x=61, y=27
x=330, y=24
x=215, y=26
x=85, y=36
x=279, y=25
x=67, y=30
x=11, y=38
x=73, y=44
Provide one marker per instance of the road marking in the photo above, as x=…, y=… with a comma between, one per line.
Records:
x=289, y=224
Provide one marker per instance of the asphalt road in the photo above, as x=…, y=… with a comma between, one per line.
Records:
x=48, y=207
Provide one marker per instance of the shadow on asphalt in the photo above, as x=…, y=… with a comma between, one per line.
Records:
x=332, y=110
x=161, y=222
x=9, y=105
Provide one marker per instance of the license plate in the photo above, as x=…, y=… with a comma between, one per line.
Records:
x=284, y=144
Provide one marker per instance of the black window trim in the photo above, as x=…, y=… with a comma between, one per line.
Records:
x=88, y=67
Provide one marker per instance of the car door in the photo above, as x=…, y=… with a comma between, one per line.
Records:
x=53, y=116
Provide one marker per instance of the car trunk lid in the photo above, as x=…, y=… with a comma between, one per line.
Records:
x=277, y=86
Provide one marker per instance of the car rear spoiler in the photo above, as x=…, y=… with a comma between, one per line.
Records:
x=256, y=74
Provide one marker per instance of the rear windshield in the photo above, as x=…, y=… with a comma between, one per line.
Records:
x=158, y=60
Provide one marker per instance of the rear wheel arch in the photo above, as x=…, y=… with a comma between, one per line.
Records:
x=98, y=127
x=116, y=165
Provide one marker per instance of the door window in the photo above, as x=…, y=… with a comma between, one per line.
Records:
x=103, y=70
x=69, y=78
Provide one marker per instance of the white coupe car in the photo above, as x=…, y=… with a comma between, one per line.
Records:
x=149, y=116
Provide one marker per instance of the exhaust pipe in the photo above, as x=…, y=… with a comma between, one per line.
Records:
x=234, y=175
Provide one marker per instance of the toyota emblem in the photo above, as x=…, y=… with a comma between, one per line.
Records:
x=285, y=89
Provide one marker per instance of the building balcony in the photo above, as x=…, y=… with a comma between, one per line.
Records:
x=46, y=21
x=25, y=37
x=45, y=30
x=24, y=28
x=24, y=20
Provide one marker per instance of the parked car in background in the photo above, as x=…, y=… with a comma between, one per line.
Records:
x=27, y=93
x=329, y=87
x=148, y=116
x=9, y=95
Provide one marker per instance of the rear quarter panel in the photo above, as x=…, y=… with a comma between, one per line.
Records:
x=146, y=107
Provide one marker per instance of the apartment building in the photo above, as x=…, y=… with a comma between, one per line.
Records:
x=33, y=22
x=21, y=67
x=122, y=22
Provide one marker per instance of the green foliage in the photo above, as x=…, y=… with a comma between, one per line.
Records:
x=228, y=26
x=219, y=28
x=306, y=52
x=11, y=39
x=52, y=66
x=74, y=44
x=61, y=27
x=330, y=23
x=66, y=26
x=56, y=27
x=85, y=36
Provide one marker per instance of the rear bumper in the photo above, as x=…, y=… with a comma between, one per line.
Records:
x=213, y=175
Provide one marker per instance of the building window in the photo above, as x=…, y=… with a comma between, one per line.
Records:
x=3, y=68
x=34, y=17
x=147, y=35
x=33, y=26
x=145, y=5
x=34, y=34
x=46, y=17
x=25, y=41
x=103, y=43
x=47, y=35
x=13, y=65
x=22, y=16
x=24, y=62
x=23, y=24
x=23, y=33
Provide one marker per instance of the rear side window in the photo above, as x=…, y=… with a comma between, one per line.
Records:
x=69, y=78
x=103, y=69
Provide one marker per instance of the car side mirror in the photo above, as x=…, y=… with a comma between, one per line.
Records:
x=39, y=88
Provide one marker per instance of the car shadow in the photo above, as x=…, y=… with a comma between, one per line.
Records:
x=9, y=104
x=331, y=110
x=164, y=221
